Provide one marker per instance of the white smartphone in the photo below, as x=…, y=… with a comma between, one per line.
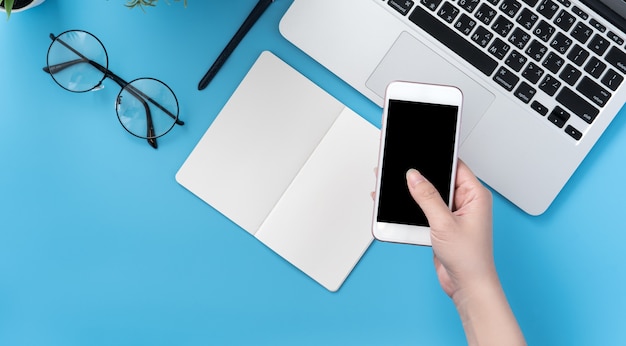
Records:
x=420, y=129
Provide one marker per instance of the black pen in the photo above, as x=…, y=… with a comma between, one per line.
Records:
x=257, y=11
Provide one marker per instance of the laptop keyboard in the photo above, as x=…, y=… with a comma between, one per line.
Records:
x=536, y=49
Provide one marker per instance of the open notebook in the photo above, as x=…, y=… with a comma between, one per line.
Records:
x=293, y=167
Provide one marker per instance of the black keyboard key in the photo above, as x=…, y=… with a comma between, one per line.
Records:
x=519, y=38
x=599, y=44
x=582, y=14
x=577, y=104
x=547, y=8
x=553, y=62
x=578, y=55
x=527, y=18
x=525, y=92
x=485, y=14
x=570, y=74
x=544, y=31
x=447, y=12
x=617, y=58
x=454, y=41
x=615, y=38
x=402, y=6
x=502, y=26
x=582, y=33
x=530, y=3
x=561, y=43
x=539, y=108
x=536, y=50
x=468, y=5
x=510, y=7
x=558, y=116
x=564, y=20
x=465, y=24
x=499, y=49
x=482, y=36
x=515, y=60
x=593, y=91
x=595, y=67
x=570, y=130
x=612, y=79
x=532, y=73
x=431, y=4
x=565, y=3
x=506, y=78
x=550, y=85
x=597, y=25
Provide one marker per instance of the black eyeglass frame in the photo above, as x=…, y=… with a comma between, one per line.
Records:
x=138, y=94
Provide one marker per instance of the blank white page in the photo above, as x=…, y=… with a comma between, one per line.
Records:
x=322, y=223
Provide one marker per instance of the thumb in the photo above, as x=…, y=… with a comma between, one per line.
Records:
x=427, y=197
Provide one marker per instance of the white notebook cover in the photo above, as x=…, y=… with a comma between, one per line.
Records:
x=292, y=166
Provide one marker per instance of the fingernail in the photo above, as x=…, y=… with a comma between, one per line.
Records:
x=414, y=177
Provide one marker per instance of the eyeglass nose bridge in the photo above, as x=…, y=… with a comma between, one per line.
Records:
x=100, y=86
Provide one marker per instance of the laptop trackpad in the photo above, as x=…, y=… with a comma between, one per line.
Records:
x=410, y=60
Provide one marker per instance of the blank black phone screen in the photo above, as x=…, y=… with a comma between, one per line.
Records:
x=421, y=136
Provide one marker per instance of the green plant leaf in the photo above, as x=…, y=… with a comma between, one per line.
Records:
x=8, y=6
x=140, y=3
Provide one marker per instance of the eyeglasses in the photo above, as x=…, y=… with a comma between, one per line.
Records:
x=146, y=107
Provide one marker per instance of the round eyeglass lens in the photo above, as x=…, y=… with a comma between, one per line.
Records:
x=77, y=61
x=147, y=108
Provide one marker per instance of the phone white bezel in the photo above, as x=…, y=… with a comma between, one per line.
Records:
x=418, y=92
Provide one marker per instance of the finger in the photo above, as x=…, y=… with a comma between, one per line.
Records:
x=464, y=175
x=426, y=196
x=373, y=193
x=468, y=187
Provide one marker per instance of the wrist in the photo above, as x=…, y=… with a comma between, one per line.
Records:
x=486, y=315
x=477, y=288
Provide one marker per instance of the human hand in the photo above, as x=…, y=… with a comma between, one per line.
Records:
x=462, y=238
x=463, y=253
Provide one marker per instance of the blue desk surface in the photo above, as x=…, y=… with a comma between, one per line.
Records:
x=100, y=246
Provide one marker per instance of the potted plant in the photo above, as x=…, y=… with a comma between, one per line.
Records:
x=10, y=6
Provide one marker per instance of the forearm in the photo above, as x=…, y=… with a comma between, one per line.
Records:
x=486, y=315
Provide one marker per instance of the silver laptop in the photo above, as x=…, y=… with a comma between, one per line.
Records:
x=542, y=79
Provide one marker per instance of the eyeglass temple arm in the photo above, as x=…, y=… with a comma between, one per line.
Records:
x=122, y=83
x=62, y=66
x=140, y=93
x=150, y=136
